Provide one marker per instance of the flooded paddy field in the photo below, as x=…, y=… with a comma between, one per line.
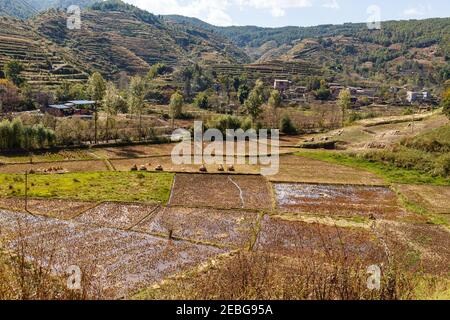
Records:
x=337, y=200
x=117, y=215
x=233, y=228
x=124, y=261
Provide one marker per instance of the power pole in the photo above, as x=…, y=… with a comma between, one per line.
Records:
x=26, y=191
x=95, y=123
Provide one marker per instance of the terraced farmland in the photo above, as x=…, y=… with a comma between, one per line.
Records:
x=43, y=62
x=346, y=201
x=269, y=71
x=125, y=261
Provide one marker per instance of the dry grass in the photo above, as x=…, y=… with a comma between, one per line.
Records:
x=325, y=271
x=426, y=247
x=301, y=169
x=435, y=199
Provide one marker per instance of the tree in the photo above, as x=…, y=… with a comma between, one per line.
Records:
x=136, y=98
x=446, y=103
x=344, y=102
x=201, y=100
x=243, y=93
x=157, y=70
x=176, y=106
x=12, y=70
x=111, y=104
x=323, y=93
x=287, y=126
x=9, y=96
x=225, y=83
x=77, y=91
x=187, y=75
x=275, y=101
x=96, y=90
x=255, y=100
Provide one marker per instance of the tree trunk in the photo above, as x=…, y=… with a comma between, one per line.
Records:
x=95, y=124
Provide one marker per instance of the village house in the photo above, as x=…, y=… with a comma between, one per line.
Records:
x=281, y=85
x=78, y=108
x=414, y=96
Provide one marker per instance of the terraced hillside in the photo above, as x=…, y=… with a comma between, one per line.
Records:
x=119, y=37
x=44, y=63
x=16, y=8
x=269, y=70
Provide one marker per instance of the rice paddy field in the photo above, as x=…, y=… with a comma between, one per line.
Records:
x=174, y=229
x=221, y=191
x=124, y=261
x=339, y=200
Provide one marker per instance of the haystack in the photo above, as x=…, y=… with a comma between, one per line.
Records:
x=134, y=167
x=142, y=168
x=220, y=168
x=203, y=168
x=231, y=168
x=159, y=168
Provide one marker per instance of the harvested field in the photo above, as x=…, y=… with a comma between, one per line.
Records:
x=221, y=227
x=292, y=238
x=221, y=191
x=335, y=200
x=435, y=199
x=158, y=150
x=300, y=169
x=117, y=215
x=137, y=151
x=68, y=166
x=169, y=166
x=48, y=156
x=427, y=247
x=125, y=261
x=56, y=208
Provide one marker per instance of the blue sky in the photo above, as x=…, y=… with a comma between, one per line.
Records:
x=276, y=13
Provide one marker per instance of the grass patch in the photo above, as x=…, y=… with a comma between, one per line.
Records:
x=388, y=172
x=96, y=186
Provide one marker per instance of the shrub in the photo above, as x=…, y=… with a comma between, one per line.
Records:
x=201, y=101
x=287, y=127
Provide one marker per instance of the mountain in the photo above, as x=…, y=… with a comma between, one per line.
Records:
x=24, y=9
x=16, y=8
x=45, y=63
x=116, y=36
x=415, y=51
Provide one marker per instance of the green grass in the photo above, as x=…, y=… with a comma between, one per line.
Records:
x=97, y=186
x=390, y=173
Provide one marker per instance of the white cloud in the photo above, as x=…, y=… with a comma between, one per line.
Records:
x=331, y=4
x=217, y=11
x=277, y=7
x=418, y=11
x=214, y=12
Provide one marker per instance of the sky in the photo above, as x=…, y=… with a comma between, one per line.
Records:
x=278, y=13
